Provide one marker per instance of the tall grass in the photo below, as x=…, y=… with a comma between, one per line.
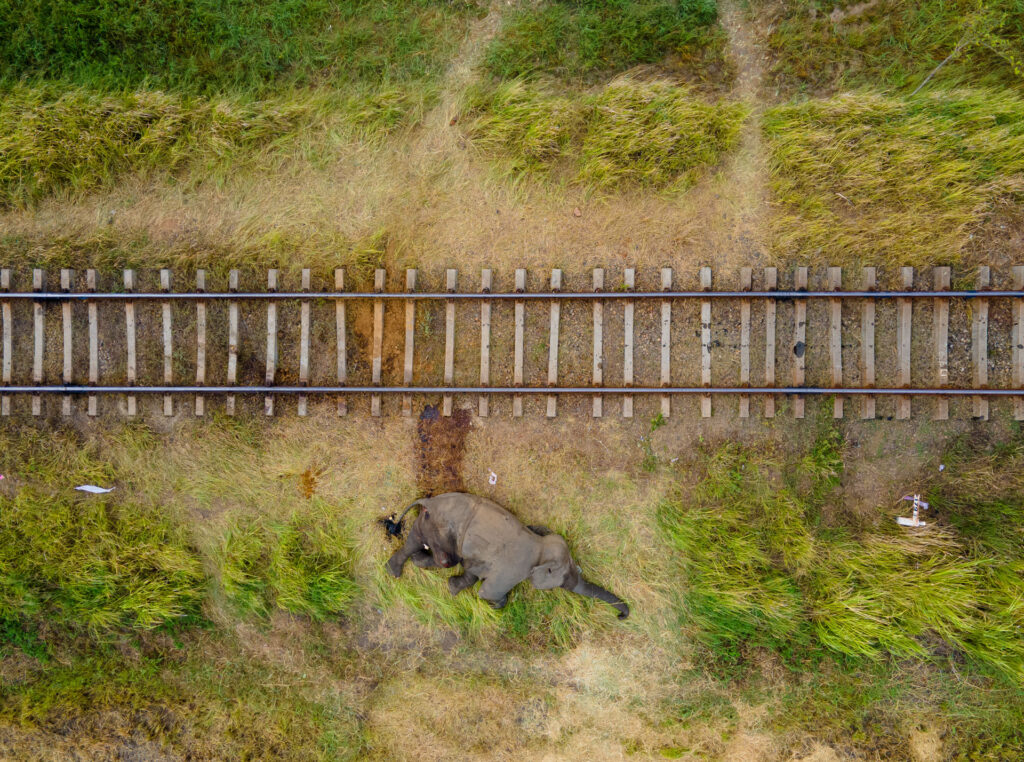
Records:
x=581, y=40
x=93, y=564
x=66, y=141
x=894, y=45
x=762, y=570
x=200, y=46
x=95, y=90
x=97, y=564
x=302, y=565
x=119, y=562
x=865, y=179
x=629, y=133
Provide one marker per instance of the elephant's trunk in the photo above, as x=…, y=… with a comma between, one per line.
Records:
x=589, y=589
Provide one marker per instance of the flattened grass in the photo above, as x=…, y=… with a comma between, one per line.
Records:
x=588, y=39
x=863, y=179
x=762, y=571
x=628, y=134
x=827, y=46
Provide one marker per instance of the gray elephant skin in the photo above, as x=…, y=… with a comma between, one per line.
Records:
x=494, y=547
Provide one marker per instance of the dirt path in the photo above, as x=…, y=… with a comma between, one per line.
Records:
x=741, y=201
x=438, y=136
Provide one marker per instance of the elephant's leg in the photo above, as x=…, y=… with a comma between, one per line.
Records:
x=410, y=547
x=461, y=582
x=494, y=593
x=424, y=559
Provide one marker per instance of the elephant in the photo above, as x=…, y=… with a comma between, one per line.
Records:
x=493, y=546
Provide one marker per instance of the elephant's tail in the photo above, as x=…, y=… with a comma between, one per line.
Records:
x=589, y=589
x=394, y=526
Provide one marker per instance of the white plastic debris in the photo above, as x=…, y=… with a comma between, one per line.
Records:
x=942, y=466
x=913, y=521
x=93, y=489
x=492, y=479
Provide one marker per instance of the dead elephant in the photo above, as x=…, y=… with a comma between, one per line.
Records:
x=492, y=546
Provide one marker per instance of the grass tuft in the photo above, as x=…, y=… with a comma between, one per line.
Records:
x=628, y=134
x=850, y=171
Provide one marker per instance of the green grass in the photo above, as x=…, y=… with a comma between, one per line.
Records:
x=302, y=565
x=96, y=91
x=118, y=563
x=871, y=704
x=199, y=46
x=592, y=38
x=208, y=700
x=848, y=172
x=57, y=141
x=628, y=134
x=894, y=45
x=764, y=571
x=96, y=564
x=300, y=646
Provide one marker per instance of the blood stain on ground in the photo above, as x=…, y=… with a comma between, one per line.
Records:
x=440, y=450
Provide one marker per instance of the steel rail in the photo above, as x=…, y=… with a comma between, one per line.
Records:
x=684, y=390
x=85, y=296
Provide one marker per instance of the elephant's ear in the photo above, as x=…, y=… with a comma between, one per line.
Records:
x=553, y=565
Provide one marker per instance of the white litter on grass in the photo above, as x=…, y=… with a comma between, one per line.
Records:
x=93, y=489
x=492, y=479
x=942, y=466
x=914, y=521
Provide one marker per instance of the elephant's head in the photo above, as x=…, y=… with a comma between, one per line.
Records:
x=554, y=564
x=556, y=568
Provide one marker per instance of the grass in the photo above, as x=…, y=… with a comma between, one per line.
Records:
x=890, y=45
x=110, y=564
x=583, y=41
x=628, y=134
x=250, y=248
x=91, y=564
x=849, y=171
x=302, y=565
x=274, y=665
x=208, y=702
x=210, y=48
x=763, y=570
x=92, y=94
x=55, y=141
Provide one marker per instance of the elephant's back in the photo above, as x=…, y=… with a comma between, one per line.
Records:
x=495, y=534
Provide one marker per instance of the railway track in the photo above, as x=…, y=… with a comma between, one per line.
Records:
x=199, y=344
